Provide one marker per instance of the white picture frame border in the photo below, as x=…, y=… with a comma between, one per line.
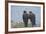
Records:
x=23, y=29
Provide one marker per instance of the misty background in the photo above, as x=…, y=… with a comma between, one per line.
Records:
x=17, y=13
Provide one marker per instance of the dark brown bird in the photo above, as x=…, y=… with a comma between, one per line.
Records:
x=25, y=18
x=32, y=18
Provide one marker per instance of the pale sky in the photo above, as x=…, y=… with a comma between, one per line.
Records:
x=17, y=12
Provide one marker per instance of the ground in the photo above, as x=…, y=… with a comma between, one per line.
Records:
x=19, y=25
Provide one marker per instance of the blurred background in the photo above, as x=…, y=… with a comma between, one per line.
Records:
x=17, y=15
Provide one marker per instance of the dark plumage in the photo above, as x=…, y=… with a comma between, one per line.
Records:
x=30, y=16
x=25, y=18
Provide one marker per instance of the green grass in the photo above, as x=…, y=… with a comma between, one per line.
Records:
x=20, y=25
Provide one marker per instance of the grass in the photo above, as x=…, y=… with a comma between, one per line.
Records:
x=20, y=25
